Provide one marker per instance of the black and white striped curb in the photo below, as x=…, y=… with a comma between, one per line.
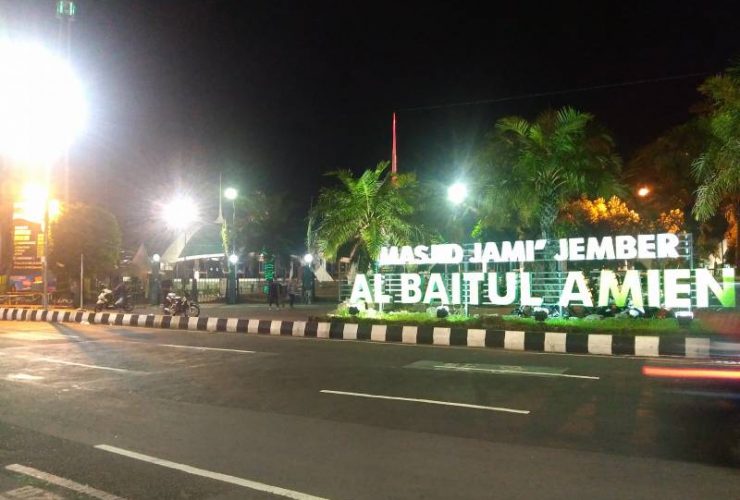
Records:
x=559, y=342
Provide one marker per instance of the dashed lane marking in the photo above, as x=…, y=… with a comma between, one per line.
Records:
x=427, y=401
x=64, y=483
x=247, y=483
x=22, y=377
x=537, y=371
x=71, y=363
x=29, y=493
x=200, y=348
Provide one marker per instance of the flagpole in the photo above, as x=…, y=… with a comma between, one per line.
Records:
x=394, y=158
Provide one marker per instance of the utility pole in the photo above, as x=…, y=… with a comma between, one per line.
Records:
x=66, y=10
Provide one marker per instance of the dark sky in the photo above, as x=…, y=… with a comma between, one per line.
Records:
x=282, y=91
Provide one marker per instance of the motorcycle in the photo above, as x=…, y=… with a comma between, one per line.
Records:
x=106, y=301
x=175, y=305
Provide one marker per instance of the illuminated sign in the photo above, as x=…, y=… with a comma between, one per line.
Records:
x=654, y=288
x=27, y=237
x=644, y=246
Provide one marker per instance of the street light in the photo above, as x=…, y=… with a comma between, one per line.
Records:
x=643, y=191
x=179, y=214
x=42, y=109
x=457, y=193
x=232, y=293
x=154, y=286
x=307, y=259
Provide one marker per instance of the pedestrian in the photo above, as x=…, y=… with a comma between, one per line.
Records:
x=308, y=279
x=74, y=291
x=292, y=291
x=273, y=293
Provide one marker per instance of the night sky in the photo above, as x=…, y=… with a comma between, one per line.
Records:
x=276, y=93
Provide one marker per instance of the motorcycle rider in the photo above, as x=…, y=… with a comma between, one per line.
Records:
x=119, y=293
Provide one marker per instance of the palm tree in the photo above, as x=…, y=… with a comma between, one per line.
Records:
x=362, y=214
x=546, y=163
x=718, y=169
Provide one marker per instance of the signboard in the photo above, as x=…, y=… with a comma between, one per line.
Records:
x=674, y=288
x=27, y=238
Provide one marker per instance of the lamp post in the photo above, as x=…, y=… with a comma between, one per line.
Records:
x=456, y=194
x=232, y=293
x=308, y=279
x=154, y=285
x=179, y=214
x=43, y=109
x=231, y=290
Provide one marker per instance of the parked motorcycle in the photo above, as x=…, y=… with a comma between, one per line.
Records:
x=107, y=301
x=176, y=305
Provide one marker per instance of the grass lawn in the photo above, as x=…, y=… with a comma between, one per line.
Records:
x=615, y=326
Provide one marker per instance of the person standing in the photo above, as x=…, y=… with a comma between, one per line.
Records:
x=273, y=293
x=291, y=292
x=308, y=284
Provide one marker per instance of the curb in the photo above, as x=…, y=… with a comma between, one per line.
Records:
x=556, y=342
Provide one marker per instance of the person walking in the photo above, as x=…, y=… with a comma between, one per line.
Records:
x=273, y=293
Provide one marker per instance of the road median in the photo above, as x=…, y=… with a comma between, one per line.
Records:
x=515, y=340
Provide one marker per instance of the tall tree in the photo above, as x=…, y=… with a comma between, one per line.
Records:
x=558, y=157
x=364, y=213
x=89, y=230
x=663, y=167
x=717, y=170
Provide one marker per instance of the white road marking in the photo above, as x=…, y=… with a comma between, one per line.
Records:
x=29, y=493
x=247, y=483
x=427, y=401
x=514, y=372
x=71, y=363
x=64, y=483
x=199, y=348
x=22, y=377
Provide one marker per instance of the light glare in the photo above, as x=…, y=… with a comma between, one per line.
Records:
x=457, y=193
x=180, y=213
x=230, y=193
x=42, y=107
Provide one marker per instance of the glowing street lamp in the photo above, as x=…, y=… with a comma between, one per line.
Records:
x=180, y=213
x=230, y=193
x=307, y=259
x=643, y=191
x=457, y=193
x=42, y=107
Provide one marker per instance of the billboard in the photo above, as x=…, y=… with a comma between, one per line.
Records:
x=28, y=236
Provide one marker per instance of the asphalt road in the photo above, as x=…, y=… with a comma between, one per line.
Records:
x=141, y=413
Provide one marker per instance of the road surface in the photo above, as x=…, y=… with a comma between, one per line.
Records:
x=119, y=412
